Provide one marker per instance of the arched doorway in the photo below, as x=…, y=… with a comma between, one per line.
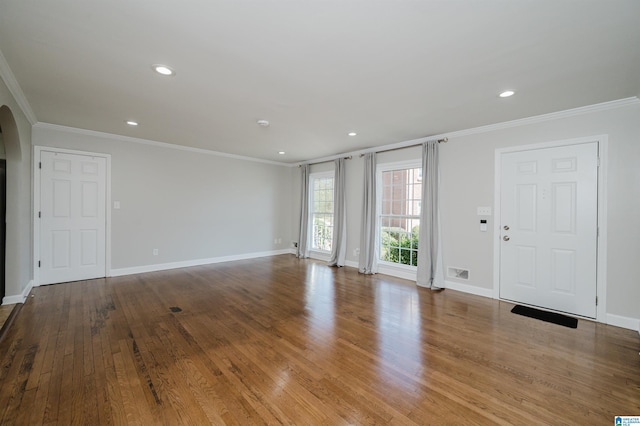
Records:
x=12, y=156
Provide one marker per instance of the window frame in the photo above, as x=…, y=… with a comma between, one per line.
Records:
x=380, y=169
x=312, y=178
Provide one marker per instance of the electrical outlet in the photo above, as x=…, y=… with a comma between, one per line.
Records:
x=155, y=252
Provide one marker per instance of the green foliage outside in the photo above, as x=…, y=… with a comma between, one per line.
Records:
x=322, y=234
x=322, y=213
x=399, y=247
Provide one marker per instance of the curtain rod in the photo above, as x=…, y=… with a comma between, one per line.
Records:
x=325, y=161
x=443, y=140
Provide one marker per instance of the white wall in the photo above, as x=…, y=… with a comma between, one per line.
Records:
x=18, y=272
x=467, y=167
x=189, y=205
x=186, y=205
x=468, y=177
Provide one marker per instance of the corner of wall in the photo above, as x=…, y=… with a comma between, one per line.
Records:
x=18, y=298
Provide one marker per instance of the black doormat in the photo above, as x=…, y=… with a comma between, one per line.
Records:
x=545, y=316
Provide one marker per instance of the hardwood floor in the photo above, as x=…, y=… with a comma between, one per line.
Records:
x=7, y=314
x=281, y=340
x=5, y=311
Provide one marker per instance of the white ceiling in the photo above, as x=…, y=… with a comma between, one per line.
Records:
x=390, y=70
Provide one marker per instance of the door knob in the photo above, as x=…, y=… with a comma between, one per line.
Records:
x=506, y=238
x=506, y=227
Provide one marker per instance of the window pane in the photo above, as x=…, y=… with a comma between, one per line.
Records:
x=321, y=216
x=399, y=218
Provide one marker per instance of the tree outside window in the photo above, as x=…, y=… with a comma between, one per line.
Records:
x=321, y=211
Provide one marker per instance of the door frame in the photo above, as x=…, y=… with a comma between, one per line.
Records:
x=601, y=244
x=37, y=150
x=3, y=230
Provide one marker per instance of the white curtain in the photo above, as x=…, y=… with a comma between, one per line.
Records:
x=368, y=257
x=430, y=271
x=339, y=243
x=303, y=245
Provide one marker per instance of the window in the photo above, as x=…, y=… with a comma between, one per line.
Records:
x=321, y=210
x=399, y=195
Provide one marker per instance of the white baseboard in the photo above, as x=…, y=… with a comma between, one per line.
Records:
x=624, y=322
x=397, y=272
x=319, y=256
x=197, y=262
x=471, y=289
x=351, y=264
x=12, y=300
x=18, y=298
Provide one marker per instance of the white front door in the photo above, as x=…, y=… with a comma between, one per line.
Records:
x=72, y=217
x=548, y=229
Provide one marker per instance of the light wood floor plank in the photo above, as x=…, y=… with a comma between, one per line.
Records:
x=279, y=340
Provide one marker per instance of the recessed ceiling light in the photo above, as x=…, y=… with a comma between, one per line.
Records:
x=132, y=123
x=281, y=152
x=263, y=123
x=352, y=133
x=507, y=93
x=163, y=69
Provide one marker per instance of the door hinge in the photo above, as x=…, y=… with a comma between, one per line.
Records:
x=598, y=161
x=40, y=165
x=596, y=300
x=39, y=214
x=38, y=263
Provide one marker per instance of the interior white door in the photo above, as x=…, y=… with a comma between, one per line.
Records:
x=72, y=217
x=549, y=227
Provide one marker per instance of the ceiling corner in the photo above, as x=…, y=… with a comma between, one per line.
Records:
x=12, y=84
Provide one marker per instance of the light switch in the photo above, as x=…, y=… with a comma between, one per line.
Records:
x=484, y=211
x=116, y=204
x=483, y=225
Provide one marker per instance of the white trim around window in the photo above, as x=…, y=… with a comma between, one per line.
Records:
x=392, y=268
x=326, y=211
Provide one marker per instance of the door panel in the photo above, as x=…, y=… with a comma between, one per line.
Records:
x=88, y=247
x=548, y=247
x=563, y=268
x=526, y=207
x=73, y=217
x=526, y=266
x=61, y=198
x=60, y=249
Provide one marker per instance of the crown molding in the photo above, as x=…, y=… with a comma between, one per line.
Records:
x=12, y=84
x=604, y=106
x=121, y=138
